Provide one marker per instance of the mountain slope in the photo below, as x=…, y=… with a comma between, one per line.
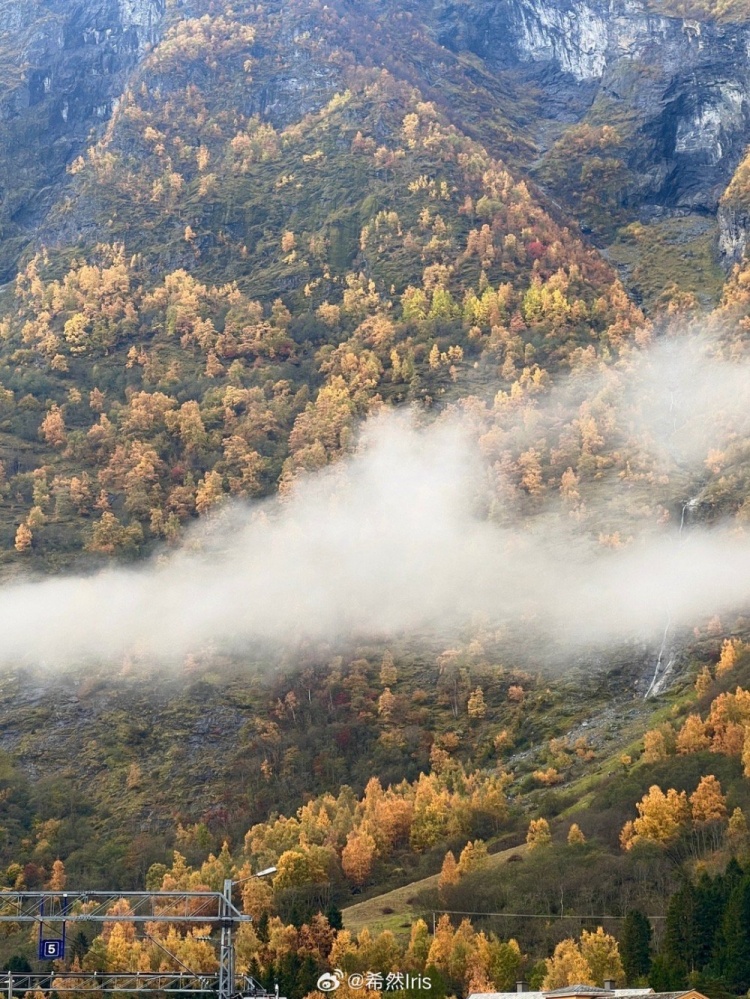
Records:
x=289, y=217
x=221, y=297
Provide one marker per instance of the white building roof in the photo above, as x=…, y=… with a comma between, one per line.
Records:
x=568, y=990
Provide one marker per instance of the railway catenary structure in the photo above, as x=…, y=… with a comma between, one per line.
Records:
x=57, y=909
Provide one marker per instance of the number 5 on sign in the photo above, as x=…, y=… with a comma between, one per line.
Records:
x=51, y=950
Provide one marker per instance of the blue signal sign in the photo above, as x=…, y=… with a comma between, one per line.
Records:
x=51, y=950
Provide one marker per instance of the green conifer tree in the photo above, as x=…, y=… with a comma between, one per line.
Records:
x=635, y=946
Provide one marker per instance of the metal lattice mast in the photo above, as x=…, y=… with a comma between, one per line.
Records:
x=226, y=947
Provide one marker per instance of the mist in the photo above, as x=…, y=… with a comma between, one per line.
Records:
x=396, y=539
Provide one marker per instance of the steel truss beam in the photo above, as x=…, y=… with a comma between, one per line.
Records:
x=205, y=907
x=68, y=981
x=83, y=981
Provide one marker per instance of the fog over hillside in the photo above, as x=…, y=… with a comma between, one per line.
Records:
x=395, y=539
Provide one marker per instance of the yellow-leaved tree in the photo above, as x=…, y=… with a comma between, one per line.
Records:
x=692, y=737
x=575, y=835
x=473, y=856
x=567, y=966
x=730, y=653
x=257, y=897
x=660, y=818
x=358, y=856
x=602, y=954
x=24, y=537
x=703, y=682
x=58, y=879
x=301, y=866
x=449, y=873
x=388, y=672
x=476, y=705
x=538, y=834
x=707, y=802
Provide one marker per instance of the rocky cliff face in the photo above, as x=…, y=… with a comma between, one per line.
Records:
x=678, y=89
x=62, y=68
x=734, y=225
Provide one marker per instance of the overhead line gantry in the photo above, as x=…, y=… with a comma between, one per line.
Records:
x=197, y=908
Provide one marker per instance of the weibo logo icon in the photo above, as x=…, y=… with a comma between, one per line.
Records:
x=329, y=981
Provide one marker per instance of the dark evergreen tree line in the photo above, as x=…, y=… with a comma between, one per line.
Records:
x=706, y=941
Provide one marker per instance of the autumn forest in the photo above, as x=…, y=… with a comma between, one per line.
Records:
x=375, y=494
